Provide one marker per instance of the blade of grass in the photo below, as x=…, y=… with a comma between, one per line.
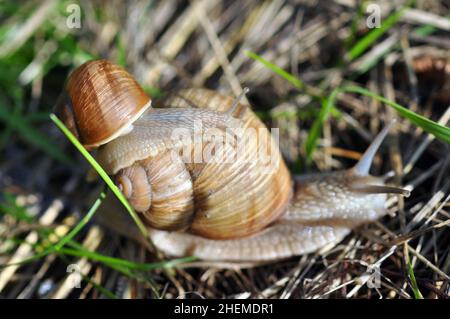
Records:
x=101, y=172
x=122, y=52
x=78, y=250
x=415, y=287
x=128, y=264
x=314, y=132
x=361, y=46
x=125, y=271
x=100, y=288
x=358, y=15
x=315, y=92
x=64, y=240
x=441, y=132
x=154, y=92
x=75, y=246
x=286, y=75
x=82, y=223
x=125, y=267
x=426, y=29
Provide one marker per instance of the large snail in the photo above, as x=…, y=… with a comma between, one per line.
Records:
x=232, y=206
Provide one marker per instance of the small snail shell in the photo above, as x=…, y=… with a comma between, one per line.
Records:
x=217, y=209
x=104, y=99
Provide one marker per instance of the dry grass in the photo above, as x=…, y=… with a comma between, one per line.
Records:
x=178, y=44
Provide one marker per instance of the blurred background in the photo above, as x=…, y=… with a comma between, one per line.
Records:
x=399, y=50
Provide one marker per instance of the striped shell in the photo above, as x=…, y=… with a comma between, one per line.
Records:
x=228, y=196
x=100, y=102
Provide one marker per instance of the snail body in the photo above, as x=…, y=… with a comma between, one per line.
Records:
x=232, y=206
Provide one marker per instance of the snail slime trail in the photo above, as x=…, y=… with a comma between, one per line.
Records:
x=218, y=209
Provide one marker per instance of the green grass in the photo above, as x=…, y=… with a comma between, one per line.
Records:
x=77, y=250
x=358, y=15
x=284, y=74
x=297, y=83
x=371, y=37
x=412, y=277
x=81, y=223
x=328, y=105
x=439, y=131
x=45, y=249
x=368, y=65
x=100, y=288
x=66, y=246
x=314, y=132
x=107, y=260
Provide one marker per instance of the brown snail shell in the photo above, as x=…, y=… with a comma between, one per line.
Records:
x=197, y=197
x=104, y=99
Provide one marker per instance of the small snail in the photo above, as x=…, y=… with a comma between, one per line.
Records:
x=233, y=206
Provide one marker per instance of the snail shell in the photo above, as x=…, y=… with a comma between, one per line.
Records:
x=200, y=197
x=100, y=101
